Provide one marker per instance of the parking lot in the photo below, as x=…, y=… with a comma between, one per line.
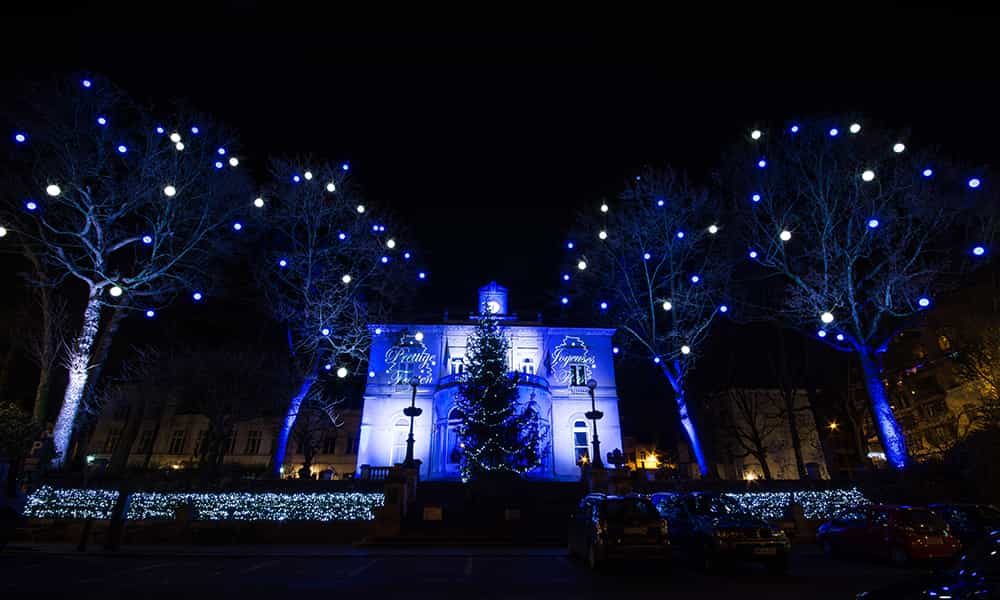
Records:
x=418, y=573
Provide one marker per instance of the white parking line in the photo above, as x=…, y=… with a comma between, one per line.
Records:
x=258, y=566
x=361, y=569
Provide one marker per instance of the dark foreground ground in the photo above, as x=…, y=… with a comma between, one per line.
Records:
x=467, y=573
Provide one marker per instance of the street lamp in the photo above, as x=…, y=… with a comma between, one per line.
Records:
x=411, y=411
x=595, y=415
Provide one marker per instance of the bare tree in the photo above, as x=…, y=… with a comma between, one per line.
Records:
x=863, y=231
x=314, y=424
x=653, y=264
x=128, y=207
x=332, y=269
x=755, y=424
x=977, y=364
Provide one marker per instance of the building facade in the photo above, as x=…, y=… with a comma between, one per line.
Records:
x=553, y=364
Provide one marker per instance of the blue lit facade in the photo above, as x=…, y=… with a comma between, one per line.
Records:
x=553, y=364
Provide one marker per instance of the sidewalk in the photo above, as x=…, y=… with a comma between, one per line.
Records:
x=299, y=551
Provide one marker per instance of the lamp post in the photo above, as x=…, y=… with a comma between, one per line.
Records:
x=411, y=411
x=595, y=415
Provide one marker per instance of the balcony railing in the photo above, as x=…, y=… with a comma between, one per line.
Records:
x=522, y=378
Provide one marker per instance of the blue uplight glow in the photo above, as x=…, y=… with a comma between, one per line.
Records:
x=20, y=138
x=794, y=129
x=761, y=163
x=564, y=300
x=927, y=172
x=147, y=239
x=755, y=197
x=122, y=149
x=102, y=121
x=282, y=263
x=872, y=223
x=834, y=131
x=974, y=183
x=237, y=226
x=150, y=314
x=647, y=256
x=31, y=205
x=924, y=302
x=197, y=296
x=979, y=250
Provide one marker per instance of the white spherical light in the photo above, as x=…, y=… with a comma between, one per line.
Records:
x=175, y=137
x=342, y=372
x=785, y=235
x=361, y=208
x=667, y=305
x=713, y=229
x=53, y=190
x=898, y=148
x=493, y=307
x=685, y=349
x=3, y=231
x=855, y=127
x=390, y=243
x=755, y=134
x=233, y=161
x=308, y=175
x=604, y=208
x=603, y=235
x=581, y=265
x=259, y=203
x=419, y=336
x=115, y=291
x=179, y=145
x=330, y=187
x=826, y=317
x=868, y=175
x=169, y=190
x=346, y=279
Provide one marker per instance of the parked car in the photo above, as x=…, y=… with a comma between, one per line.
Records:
x=976, y=576
x=970, y=523
x=712, y=529
x=611, y=527
x=897, y=533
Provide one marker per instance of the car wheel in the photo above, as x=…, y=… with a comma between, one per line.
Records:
x=828, y=549
x=593, y=558
x=777, y=566
x=898, y=556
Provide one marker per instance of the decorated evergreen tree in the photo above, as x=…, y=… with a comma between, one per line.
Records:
x=499, y=434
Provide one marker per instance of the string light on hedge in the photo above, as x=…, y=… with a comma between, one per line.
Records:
x=867, y=175
x=667, y=305
x=826, y=317
x=898, y=147
x=53, y=190
x=258, y=202
x=855, y=128
x=974, y=182
x=115, y=291
x=978, y=251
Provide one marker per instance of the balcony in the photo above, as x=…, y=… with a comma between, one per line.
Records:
x=524, y=379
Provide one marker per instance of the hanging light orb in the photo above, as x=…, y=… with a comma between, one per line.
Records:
x=330, y=187
x=233, y=161
x=761, y=163
x=378, y=331
x=755, y=134
x=685, y=349
x=282, y=263
x=169, y=191
x=150, y=314
x=872, y=223
x=855, y=127
x=753, y=254
x=695, y=279
x=646, y=256
x=384, y=259
x=86, y=83
x=308, y=175
x=840, y=337
x=570, y=245
x=3, y=232
x=603, y=235
x=604, y=208
x=667, y=305
x=898, y=147
x=723, y=309
x=102, y=121
x=564, y=300
x=979, y=250
x=296, y=179
x=122, y=149
x=390, y=243
x=345, y=167
x=31, y=205
x=821, y=333
x=785, y=235
x=237, y=226
x=342, y=235
x=53, y=190
x=927, y=172
x=197, y=296
x=713, y=229
x=868, y=175
x=406, y=255
x=659, y=202
x=195, y=130
x=175, y=137
x=325, y=331
x=834, y=132
x=346, y=279
x=221, y=151
x=755, y=197
x=115, y=291
x=361, y=208
x=656, y=359
x=419, y=336
x=371, y=373
x=565, y=277
x=20, y=138
x=258, y=202
x=924, y=302
x=615, y=350
x=826, y=317
x=974, y=182
x=342, y=372
x=147, y=239
x=794, y=129
x=581, y=265
x=604, y=306
x=179, y=146
x=160, y=130
x=680, y=235
x=421, y=275
x=327, y=367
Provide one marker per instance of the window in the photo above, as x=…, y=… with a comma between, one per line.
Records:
x=457, y=366
x=253, y=442
x=329, y=444
x=453, y=445
x=528, y=366
x=112, y=442
x=399, y=433
x=577, y=375
x=580, y=444
x=145, y=441
x=199, y=442
x=177, y=442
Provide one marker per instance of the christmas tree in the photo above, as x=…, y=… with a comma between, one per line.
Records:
x=499, y=435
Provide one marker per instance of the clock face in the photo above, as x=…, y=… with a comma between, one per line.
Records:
x=493, y=306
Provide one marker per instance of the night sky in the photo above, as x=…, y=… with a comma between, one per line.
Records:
x=487, y=142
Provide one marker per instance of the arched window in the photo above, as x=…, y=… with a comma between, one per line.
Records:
x=454, y=445
x=528, y=366
x=580, y=444
x=400, y=431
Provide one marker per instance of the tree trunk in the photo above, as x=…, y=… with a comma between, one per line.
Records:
x=788, y=395
x=765, y=468
x=281, y=444
x=692, y=433
x=42, y=394
x=889, y=432
x=79, y=364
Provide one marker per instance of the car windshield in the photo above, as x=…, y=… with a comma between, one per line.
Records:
x=629, y=508
x=713, y=505
x=922, y=519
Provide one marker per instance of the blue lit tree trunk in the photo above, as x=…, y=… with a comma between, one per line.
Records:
x=680, y=397
x=889, y=432
x=288, y=423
